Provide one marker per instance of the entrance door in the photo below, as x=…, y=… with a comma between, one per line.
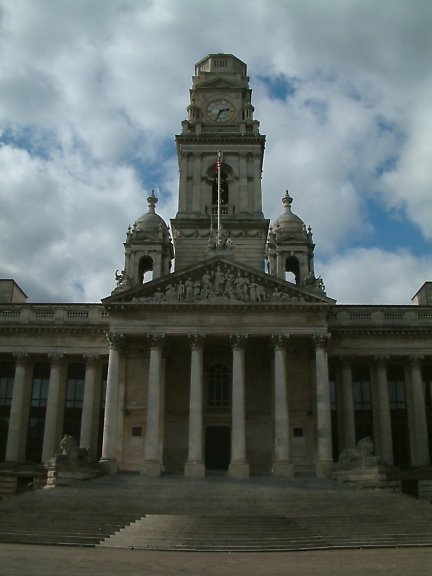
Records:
x=218, y=447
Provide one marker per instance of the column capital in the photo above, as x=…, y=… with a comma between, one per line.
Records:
x=91, y=358
x=280, y=340
x=156, y=339
x=238, y=340
x=321, y=340
x=20, y=357
x=381, y=359
x=415, y=360
x=196, y=340
x=117, y=340
x=56, y=357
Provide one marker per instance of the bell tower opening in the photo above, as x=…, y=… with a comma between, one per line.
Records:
x=145, y=271
x=292, y=270
x=224, y=197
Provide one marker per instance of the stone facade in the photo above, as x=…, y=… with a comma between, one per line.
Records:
x=224, y=363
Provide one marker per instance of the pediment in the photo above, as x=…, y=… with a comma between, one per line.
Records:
x=217, y=281
x=219, y=84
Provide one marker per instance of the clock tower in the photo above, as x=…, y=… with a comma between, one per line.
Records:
x=220, y=154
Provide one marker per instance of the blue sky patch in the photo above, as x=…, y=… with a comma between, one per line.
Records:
x=37, y=142
x=279, y=87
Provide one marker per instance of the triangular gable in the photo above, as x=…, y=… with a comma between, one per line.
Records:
x=219, y=83
x=217, y=281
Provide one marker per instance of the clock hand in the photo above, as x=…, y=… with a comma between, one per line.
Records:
x=220, y=112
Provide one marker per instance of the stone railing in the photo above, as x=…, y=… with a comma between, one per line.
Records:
x=389, y=316
x=66, y=314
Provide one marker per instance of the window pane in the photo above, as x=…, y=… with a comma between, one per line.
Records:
x=218, y=386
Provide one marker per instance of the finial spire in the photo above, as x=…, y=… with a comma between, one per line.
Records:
x=287, y=201
x=152, y=201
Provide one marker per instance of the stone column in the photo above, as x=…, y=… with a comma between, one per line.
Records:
x=152, y=465
x=52, y=432
x=111, y=416
x=183, y=181
x=197, y=197
x=238, y=468
x=420, y=457
x=384, y=417
x=324, y=430
x=245, y=198
x=195, y=467
x=17, y=419
x=348, y=416
x=88, y=420
x=282, y=465
x=257, y=160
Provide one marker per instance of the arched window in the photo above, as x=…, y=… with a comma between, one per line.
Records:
x=224, y=190
x=145, y=270
x=218, y=389
x=292, y=270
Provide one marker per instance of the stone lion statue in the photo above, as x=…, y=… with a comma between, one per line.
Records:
x=360, y=456
x=69, y=447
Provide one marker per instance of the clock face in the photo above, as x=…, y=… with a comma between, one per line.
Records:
x=220, y=110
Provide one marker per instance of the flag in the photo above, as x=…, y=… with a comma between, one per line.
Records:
x=219, y=161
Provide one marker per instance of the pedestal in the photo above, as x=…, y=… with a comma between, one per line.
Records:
x=324, y=469
x=194, y=470
x=109, y=466
x=151, y=469
x=239, y=470
x=283, y=469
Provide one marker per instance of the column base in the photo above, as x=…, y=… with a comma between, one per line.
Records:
x=151, y=468
x=194, y=469
x=283, y=469
x=239, y=470
x=109, y=465
x=324, y=469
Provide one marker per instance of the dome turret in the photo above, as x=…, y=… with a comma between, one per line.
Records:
x=288, y=223
x=150, y=222
x=290, y=248
x=148, y=249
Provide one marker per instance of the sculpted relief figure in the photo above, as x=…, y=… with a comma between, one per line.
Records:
x=219, y=283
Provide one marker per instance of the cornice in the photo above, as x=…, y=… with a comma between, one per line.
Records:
x=31, y=329
x=225, y=306
x=381, y=332
x=213, y=137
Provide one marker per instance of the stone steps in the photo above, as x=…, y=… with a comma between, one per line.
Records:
x=261, y=514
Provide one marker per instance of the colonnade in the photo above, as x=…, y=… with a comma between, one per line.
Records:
x=381, y=406
x=195, y=465
x=55, y=406
x=239, y=467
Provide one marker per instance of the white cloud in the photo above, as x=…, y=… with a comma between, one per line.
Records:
x=374, y=276
x=92, y=93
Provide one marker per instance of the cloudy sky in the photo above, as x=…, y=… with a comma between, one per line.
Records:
x=92, y=93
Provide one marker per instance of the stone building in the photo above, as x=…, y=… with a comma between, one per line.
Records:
x=235, y=360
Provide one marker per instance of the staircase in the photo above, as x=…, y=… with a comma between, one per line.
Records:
x=215, y=514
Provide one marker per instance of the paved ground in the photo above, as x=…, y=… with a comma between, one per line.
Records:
x=22, y=560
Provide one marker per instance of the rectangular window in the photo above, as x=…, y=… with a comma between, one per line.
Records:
x=362, y=395
x=332, y=383
x=218, y=386
x=40, y=383
x=427, y=380
x=397, y=395
x=7, y=374
x=396, y=384
x=75, y=385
